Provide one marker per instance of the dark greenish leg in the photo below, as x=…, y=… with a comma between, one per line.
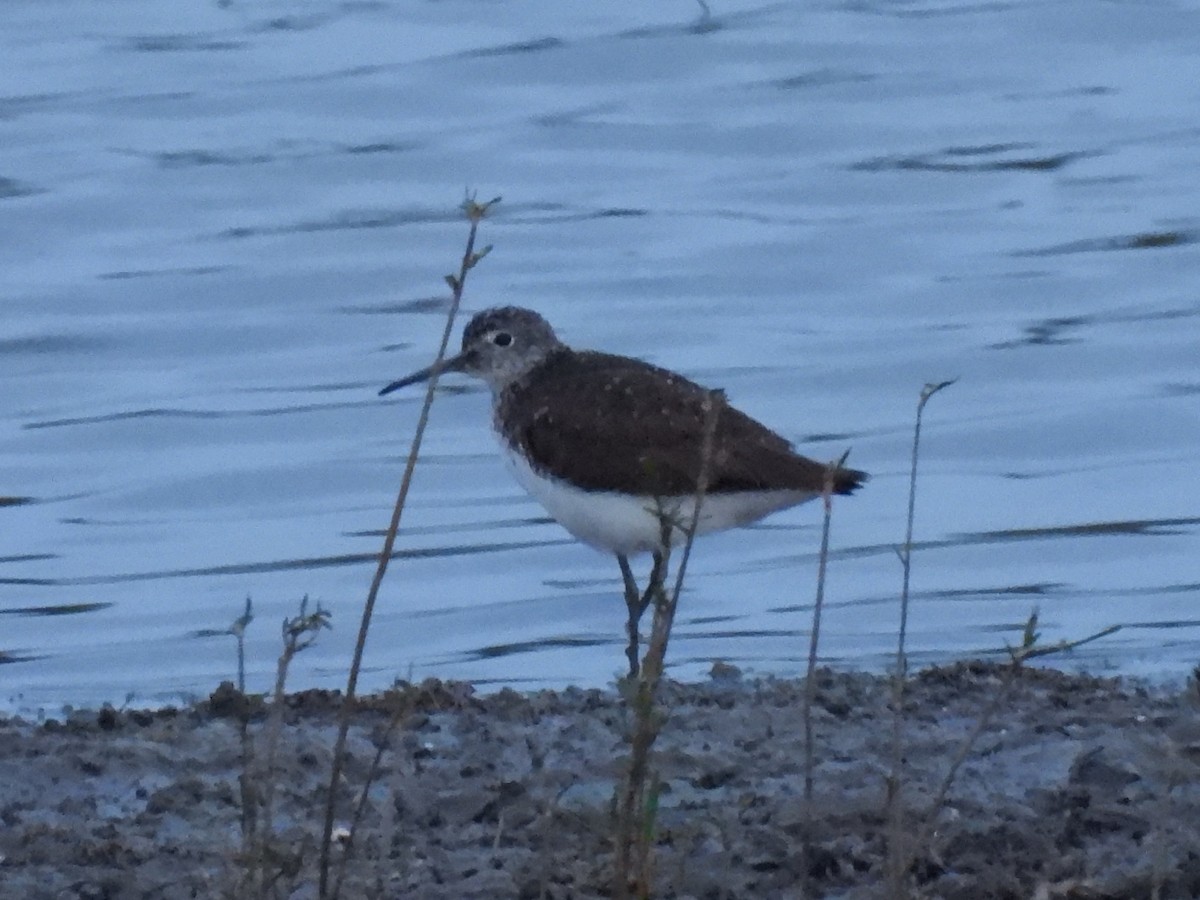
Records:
x=636, y=604
x=654, y=588
x=637, y=601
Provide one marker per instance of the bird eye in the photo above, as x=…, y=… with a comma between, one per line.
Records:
x=501, y=338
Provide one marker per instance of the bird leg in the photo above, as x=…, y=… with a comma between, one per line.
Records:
x=638, y=601
x=655, y=592
x=633, y=602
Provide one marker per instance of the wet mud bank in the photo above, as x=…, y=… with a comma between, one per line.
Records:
x=1077, y=787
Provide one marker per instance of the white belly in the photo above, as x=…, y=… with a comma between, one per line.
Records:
x=621, y=523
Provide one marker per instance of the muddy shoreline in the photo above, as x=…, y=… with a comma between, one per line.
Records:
x=1079, y=787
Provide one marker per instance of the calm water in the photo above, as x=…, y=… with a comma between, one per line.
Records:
x=226, y=226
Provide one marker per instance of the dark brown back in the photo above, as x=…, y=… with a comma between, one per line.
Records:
x=607, y=422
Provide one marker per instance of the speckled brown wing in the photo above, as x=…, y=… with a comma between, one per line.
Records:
x=607, y=422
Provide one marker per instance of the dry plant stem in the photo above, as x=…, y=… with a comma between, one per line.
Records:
x=239, y=632
x=263, y=862
x=895, y=803
x=906, y=551
x=981, y=724
x=360, y=808
x=646, y=723
x=642, y=739
x=475, y=212
x=810, y=680
x=1029, y=649
x=644, y=864
x=298, y=635
x=246, y=780
x=814, y=639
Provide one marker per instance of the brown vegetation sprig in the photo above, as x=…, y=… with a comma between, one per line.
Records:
x=475, y=212
x=638, y=804
x=906, y=843
x=360, y=807
x=266, y=860
x=1018, y=656
x=905, y=849
x=238, y=630
x=895, y=783
x=814, y=640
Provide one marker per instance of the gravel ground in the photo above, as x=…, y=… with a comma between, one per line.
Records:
x=1078, y=787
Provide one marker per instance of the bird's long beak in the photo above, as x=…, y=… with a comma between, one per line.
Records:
x=453, y=364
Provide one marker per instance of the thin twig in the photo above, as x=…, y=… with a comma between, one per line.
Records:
x=248, y=791
x=645, y=690
x=1018, y=656
x=895, y=804
x=264, y=863
x=814, y=638
x=360, y=807
x=238, y=630
x=906, y=555
x=298, y=635
x=810, y=680
x=475, y=213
